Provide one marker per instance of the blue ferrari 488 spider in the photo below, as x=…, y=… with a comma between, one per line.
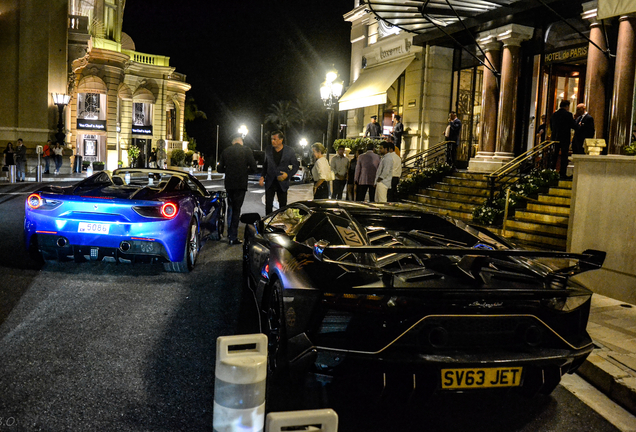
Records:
x=136, y=215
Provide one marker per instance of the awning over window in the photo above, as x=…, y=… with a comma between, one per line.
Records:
x=371, y=86
x=613, y=8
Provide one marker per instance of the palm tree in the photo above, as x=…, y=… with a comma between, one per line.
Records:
x=191, y=111
x=282, y=115
x=307, y=112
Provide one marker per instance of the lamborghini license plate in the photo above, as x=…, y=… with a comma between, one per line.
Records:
x=93, y=228
x=457, y=379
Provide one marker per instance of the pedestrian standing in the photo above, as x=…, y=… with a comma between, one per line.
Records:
x=384, y=174
x=451, y=136
x=20, y=160
x=195, y=160
x=351, y=173
x=562, y=123
x=236, y=162
x=584, y=129
x=398, y=131
x=8, y=156
x=279, y=166
x=373, y=129
x=366, y=169
x=542, y=130
x=321, y=172
x=340, y=166
x=58, y=152
x=46, y=152
x=201, y=162
x=397, y=173
x=152, y=159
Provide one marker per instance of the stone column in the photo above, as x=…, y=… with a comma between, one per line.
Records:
x=490, y=99
x=511, y=35
x=596, y=73
x=622, y=99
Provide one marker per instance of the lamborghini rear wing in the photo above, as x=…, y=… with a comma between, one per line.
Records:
x=590, y=259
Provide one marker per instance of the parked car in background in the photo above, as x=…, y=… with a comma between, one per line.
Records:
x=135, y=215
x=303, y=175
x=348, y=288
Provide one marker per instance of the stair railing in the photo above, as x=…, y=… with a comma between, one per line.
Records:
x=538, y=157
x=431, y=156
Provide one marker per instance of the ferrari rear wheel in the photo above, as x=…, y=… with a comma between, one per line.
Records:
x=190, y=254
x=220, y=221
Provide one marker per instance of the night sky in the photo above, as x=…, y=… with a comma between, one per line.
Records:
x=240, y=57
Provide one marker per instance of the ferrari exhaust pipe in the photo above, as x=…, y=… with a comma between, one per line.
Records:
x=124, y=246
x=61, y=242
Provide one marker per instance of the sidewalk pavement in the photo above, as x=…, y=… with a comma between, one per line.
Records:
x=612, y=325
x=612, y=365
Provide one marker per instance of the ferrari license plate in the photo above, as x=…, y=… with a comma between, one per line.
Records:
x=93, y=228
x=458, y=379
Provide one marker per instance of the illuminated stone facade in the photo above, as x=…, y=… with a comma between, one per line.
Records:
x=119, y=97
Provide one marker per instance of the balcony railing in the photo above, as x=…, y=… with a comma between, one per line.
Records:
x=149, y=59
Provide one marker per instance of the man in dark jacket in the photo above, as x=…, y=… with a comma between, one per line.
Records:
x=584, y=129
x=20, y=160
x=562, y=123
x=451, y=135
x=280, y=165
x=373, y=129
x=236, y=162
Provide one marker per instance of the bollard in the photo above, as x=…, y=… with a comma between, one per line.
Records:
x=12, y=171
x=191, y=171
x=209, y=173
x=240, y=381
x=325, y=419
x=38, y=173
x=89, y=170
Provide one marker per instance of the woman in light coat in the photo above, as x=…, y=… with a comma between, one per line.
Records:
x=321, y=172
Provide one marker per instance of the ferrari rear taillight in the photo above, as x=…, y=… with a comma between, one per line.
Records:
x=169, y=210
x=34, y=201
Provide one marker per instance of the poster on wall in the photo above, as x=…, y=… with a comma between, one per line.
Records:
x=90, y=147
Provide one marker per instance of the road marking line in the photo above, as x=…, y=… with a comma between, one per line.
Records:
x=599, y=402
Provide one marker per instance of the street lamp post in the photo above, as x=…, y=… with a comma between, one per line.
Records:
x=303, y=143
x=61, y=100
x=243, y=131
x=330, y=91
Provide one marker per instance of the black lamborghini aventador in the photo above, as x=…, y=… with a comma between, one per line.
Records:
x=346, y=287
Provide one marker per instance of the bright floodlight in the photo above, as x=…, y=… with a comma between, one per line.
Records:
x=325, y=91
x=303, y=142
x=331, y=76
x=243, y=130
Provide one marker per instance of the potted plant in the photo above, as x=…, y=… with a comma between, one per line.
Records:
x=85, y=165
x=98, y=166
x=120, y=164
x=133, y=154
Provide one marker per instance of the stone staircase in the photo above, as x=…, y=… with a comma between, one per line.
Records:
x=457, y=195
x=544, y=223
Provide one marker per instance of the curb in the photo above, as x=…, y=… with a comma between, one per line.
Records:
x=610, y=379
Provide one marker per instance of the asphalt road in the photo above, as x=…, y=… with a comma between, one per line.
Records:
x=101, y=346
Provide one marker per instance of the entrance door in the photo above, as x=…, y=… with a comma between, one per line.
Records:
x=562, y=82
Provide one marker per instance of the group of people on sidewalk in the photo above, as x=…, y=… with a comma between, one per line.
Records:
x=377, y=175
x=17, y=156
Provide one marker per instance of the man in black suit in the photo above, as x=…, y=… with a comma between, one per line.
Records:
x=584, y=129
x=562, y=123
x=236, y=162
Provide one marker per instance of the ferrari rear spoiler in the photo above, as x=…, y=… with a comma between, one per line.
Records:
x=590, y=259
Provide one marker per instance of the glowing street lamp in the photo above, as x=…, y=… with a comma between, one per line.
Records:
x=61, y=100
x=303, y=143
x=243, y=130
x=330, y=91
